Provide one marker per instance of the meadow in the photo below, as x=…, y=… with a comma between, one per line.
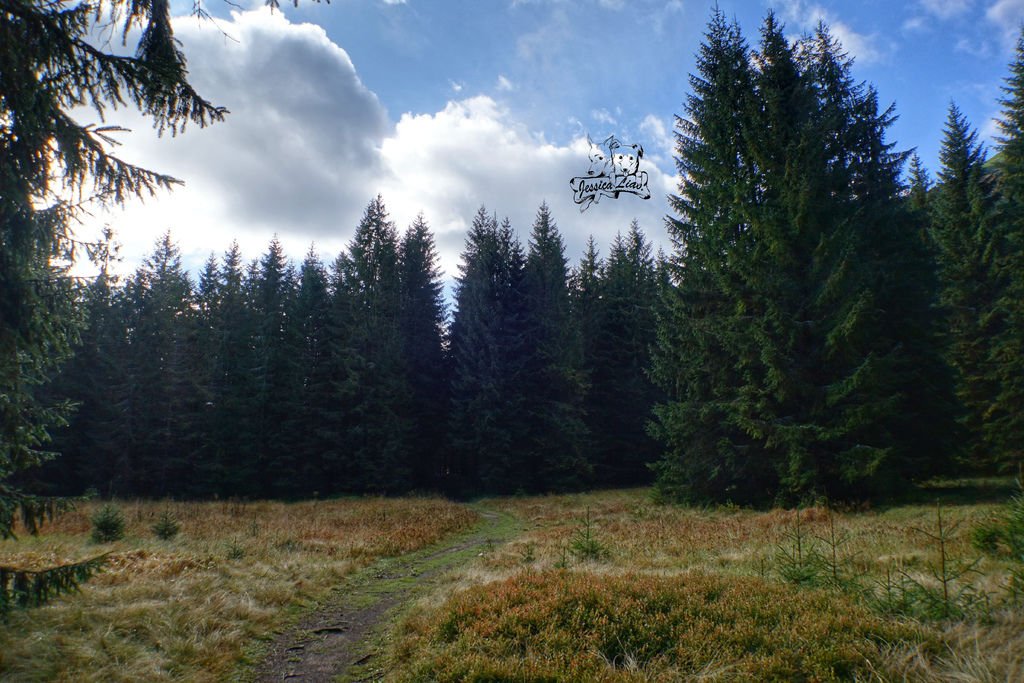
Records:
x=198, y=606
x=603, y=586
x=610, y=586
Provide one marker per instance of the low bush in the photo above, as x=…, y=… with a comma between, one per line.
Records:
x=166, y=527
x=560, y=625
x=108, y=524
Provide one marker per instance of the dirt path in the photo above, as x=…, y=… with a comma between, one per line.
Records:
x=342, y=639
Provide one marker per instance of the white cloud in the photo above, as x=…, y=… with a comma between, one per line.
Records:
x=456, y=87
x=449, y=163
x=655, y=129
x=504, y=84
x=914, y=24
x=293, y=156
x=806, y=16
x=603, y=116
x=307, y=145
x=980, y=49
x=945, y=9
x=1007, y=15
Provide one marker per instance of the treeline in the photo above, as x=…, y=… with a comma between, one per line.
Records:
x=263, y=379
x=830, y=323
x=830, y=330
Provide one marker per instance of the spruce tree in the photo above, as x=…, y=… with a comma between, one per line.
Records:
x=369, y=355
x=48, y=66
x=300, y=466
x=162, y=401
x=274, y=366
x=91, y=445
x=707, y=455
x=423, y=313
x=621, y=394
x=552, y=447
x=586, y=315
x=966, y=247
x=488, y=353
x=227, y=466
x=800, y=327
x=1005, y=428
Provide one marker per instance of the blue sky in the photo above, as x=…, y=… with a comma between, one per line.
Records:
x=444, y=106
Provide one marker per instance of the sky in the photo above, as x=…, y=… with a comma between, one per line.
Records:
x=444, y=106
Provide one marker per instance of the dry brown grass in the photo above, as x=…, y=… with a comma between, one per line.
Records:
x=655, y=540
x=187, y=609
x=642, y=535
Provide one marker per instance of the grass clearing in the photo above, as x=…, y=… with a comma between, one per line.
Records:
x=599, y=586
x=642, y=541
x=189, y=607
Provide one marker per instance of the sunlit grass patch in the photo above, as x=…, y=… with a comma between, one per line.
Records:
x=564, y=625
x=186, y=608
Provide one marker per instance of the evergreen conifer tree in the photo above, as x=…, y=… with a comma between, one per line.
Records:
x=300, y=466
x=48, y=66
x=227, y=466
x=621, y=393
x=962, y=232
x=370, y=355
x=799, y=347
x=552, y=447
x=161, y=400
x=1005, y=427
x=488, y=353
x=707, y=455
x=423, y=315
x=273, y=369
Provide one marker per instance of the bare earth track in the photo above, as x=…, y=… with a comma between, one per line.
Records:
x=342, y=639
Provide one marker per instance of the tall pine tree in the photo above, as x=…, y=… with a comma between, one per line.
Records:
x=1005, y=429
x=966, y=249
x=369, y=354
x=621, y=394
x=422, y=321
x=707, y=455
x=488, y=357
x=800, y=328
x=552, y=447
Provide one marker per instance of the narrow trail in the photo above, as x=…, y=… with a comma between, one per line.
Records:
x=342, y=638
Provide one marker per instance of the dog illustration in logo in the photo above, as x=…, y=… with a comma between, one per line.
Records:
x=614, y=169
x=626, y=159
x=600, y=164
x=625, y=163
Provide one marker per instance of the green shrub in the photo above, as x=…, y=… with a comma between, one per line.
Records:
x=1004, y=533
x=585, y=546
x=986, y=537
x=235, y=551
x=166, y=527
x=1014, y=529
x=108, y=524
x=798, y=559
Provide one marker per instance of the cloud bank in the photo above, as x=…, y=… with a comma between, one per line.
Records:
x=307, y=145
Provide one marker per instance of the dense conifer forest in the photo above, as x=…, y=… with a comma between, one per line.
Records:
x=830, y=322
x=267, y=379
